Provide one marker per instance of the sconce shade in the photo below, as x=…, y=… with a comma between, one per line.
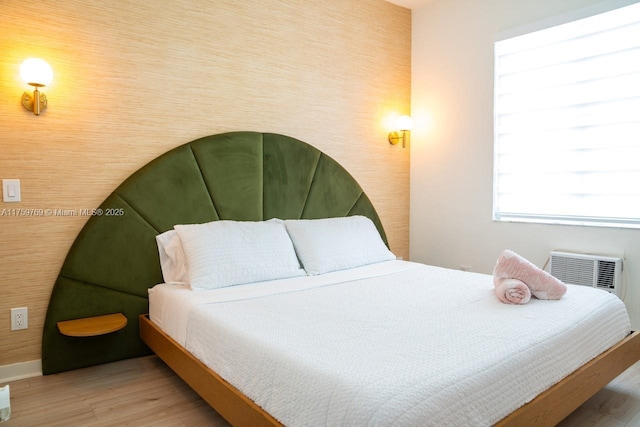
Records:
x=404, y=123
x=36, y=72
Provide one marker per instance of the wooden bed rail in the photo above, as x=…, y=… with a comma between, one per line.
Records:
x=227, y=400
x=555, y=404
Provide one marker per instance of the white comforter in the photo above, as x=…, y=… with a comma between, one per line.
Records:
x=408, y=344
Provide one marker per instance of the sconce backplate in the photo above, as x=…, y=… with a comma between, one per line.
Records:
x=27, y=101
x=394, y=138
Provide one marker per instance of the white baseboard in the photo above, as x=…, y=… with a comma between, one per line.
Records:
x=18, y=371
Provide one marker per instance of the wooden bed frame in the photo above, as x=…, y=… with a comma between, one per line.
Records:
x=548, y=408
x=243, y=176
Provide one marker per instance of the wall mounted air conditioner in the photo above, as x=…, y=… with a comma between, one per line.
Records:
x=600, y=272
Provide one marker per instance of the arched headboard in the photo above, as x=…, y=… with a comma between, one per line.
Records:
x=114, y=260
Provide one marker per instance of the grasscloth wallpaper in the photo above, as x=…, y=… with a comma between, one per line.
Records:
x=133, y=79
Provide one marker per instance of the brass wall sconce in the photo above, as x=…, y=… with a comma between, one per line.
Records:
x=37, y=73
x=404, y=125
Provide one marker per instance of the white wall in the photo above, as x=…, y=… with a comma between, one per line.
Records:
x=452, y=144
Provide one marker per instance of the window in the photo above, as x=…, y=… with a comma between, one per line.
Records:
x=567, y=123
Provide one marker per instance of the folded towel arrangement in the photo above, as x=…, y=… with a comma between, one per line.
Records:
x=513, y=271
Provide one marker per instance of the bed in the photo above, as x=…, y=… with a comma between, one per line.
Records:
x=253, y=177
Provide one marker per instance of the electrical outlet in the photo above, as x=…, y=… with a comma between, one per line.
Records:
x=19, y=318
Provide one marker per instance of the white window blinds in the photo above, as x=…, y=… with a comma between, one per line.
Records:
x=567, y=123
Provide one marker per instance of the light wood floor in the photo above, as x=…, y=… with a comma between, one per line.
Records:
x=134, y=392
x=144, y=392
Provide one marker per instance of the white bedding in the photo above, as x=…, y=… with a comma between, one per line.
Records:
x=394, y=343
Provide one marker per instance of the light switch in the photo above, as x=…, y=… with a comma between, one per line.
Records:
x=10, y=190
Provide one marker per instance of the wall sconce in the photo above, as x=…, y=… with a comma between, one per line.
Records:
x=37, y=73
x=404, y=125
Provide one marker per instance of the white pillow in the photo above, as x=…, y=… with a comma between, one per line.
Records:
x=227, y=253
x=172, y=260
x=330, y=244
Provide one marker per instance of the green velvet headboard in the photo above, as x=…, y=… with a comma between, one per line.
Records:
x=114, y=260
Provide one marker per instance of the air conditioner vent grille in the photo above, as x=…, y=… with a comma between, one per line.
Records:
x=606, y=274
x=574, y=271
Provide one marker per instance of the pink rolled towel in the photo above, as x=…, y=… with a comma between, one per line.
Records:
x=543, y=285
x=512, y=291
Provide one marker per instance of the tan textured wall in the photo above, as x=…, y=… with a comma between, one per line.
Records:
x=134, y=79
